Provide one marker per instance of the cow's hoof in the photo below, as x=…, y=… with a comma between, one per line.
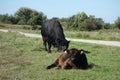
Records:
x=48, y=67
x=46, y=50
x=49, y=51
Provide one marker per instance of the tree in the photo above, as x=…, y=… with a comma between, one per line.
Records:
x=107, y=26
x=89, y=25
x=23, y=14
x=13, y=20
x=78, y=20
x=10, y=19
x=4, y=18
x=29, y=16
x=117, y=23
x=99, y=23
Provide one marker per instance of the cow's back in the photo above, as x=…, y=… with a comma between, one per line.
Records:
x=52, y=29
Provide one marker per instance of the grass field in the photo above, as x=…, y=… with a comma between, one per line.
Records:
x=23, y=58
x=113, y=35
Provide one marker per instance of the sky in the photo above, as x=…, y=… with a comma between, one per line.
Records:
x=108, y=10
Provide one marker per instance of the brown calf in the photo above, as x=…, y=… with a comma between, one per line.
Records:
x=70, y=59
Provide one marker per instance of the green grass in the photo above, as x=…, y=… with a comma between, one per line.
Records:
x=23, y=58
x=113, y=35
x=23, y=28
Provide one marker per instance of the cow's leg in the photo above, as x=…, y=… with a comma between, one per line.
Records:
x=57, y=45
x=49, y=47
x=45, y=42
x=45, y=45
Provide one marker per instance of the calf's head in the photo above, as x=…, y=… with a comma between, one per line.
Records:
x=78, y=57
x=73, y=53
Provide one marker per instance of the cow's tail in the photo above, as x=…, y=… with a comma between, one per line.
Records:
x=51, y=66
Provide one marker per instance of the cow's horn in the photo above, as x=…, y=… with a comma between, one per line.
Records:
x=81, y=52
x=65, y=51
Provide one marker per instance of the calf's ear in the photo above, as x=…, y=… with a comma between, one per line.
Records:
x=87, y=52
x=84, y=51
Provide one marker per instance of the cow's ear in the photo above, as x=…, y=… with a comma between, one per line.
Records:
x=68, y=42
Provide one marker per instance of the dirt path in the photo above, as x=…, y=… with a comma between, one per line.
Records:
x=108, y=43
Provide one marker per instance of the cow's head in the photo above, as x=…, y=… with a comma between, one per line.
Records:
x=63, y=45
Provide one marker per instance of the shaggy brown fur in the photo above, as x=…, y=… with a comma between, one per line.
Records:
x=70, y=59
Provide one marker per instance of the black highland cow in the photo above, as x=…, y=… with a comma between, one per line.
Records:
x=52, y=34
